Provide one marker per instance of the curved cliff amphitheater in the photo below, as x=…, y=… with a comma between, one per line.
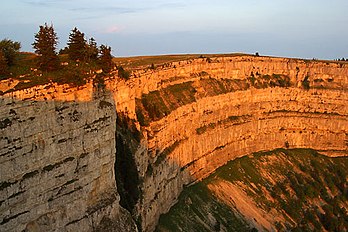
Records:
x=118, y=156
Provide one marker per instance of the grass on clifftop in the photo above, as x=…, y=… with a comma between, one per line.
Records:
x=73, y=73
x=138, y=62
x=304, y=189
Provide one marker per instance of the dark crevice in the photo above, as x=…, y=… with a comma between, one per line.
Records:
x=126, y=172
x=9, y=218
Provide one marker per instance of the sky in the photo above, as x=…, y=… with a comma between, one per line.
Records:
x=288, y=28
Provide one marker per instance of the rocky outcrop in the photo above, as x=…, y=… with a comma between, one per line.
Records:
x=57, y=161
x=196, y=115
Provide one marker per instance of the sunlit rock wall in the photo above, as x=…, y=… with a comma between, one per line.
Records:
x=57, y=161
x=196, y=138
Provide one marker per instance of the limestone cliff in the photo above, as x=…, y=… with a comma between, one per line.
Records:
x=57, y=161
x=176, y=124
x=197, y=114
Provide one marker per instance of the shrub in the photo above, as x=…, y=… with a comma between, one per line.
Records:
x=305, y=83
x=124, y=74
x=141, y=118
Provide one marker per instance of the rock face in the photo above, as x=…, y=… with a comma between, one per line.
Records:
x=320, y=74
x=57, y=161
x=193, y=121
x=177, y=124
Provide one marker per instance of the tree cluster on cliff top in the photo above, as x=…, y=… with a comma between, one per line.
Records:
x=79, y=61
x=78, y=49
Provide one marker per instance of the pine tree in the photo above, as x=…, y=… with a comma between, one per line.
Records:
x=77, y=45
x=3, y=65
x=92, y=50
x=45, y=45
x=105, y=58
x=9, y=50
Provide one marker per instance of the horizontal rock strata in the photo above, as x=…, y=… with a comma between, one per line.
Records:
x=196, y=115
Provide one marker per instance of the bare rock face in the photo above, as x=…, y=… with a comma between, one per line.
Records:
x=319, y=74
x=196, y=115
x=57, y=161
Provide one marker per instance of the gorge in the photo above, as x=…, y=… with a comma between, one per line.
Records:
x=117, y=155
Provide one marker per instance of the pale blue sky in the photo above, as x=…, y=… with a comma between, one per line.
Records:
x=306, y=28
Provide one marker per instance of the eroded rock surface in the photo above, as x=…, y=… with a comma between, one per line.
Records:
x=57, y=161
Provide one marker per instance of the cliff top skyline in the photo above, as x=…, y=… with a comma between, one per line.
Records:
x=287, y=28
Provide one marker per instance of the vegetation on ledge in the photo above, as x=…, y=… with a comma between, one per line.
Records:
x=300, y=189
x=158, y=104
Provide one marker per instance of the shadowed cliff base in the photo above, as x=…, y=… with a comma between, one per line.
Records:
x=126, y=172
x=281, y=190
